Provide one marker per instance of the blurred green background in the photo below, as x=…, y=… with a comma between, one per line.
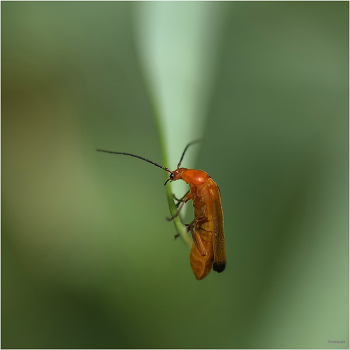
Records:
x=88, y=259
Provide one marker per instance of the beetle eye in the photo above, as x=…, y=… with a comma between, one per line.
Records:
x=170, y=178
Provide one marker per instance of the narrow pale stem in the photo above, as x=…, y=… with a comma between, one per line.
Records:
x=179, y=226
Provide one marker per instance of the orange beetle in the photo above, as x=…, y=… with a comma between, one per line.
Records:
x=207, y=228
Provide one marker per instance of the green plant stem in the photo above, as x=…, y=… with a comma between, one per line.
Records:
x=179, y=226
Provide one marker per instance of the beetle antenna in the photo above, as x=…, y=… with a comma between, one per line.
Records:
x=133, y=155
x=183, y=154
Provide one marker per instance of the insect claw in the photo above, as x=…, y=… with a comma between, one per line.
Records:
x=177, y=236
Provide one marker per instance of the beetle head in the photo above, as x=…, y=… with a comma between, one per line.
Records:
x=175, y=175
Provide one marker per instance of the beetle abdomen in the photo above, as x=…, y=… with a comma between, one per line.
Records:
x=201, y=265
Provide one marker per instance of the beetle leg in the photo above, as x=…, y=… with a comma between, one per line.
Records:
x=200, y=224
x=184, y=199
x=197, y=241
x=181, y=199
x=188, y=229
x=189, y=226
x=177, y=204
x=177, y=213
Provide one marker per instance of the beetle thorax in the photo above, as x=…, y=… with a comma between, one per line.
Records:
x=191, y=176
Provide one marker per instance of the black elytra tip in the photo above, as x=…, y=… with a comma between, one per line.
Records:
x=219, y=266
